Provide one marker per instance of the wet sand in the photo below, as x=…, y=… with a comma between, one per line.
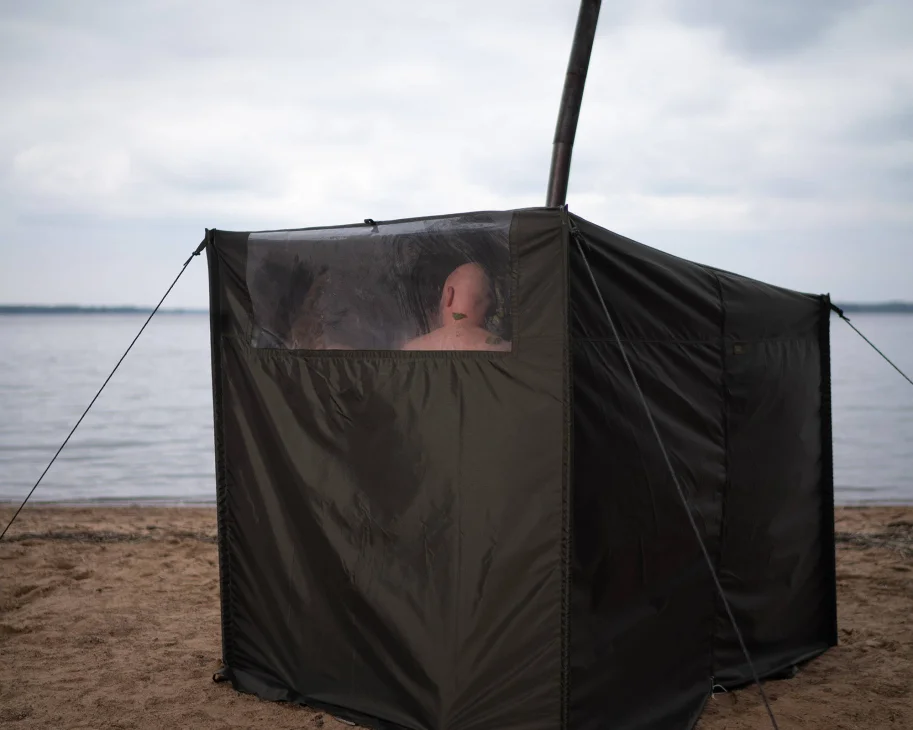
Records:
x=109, y=618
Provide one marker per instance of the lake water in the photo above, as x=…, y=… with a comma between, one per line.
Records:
x=149, y=435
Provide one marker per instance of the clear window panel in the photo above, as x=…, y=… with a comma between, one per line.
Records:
x=442, y=284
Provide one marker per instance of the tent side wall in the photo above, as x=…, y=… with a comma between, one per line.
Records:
x=393, y=525
x=735, y=374
x=776, y=558
x=225, y=311
x=643, y=606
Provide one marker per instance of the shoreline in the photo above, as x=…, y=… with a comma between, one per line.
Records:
x=111, y=503
x=110, y=617
x=203, y=503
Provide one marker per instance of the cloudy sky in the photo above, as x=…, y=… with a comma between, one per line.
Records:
x=769, y=137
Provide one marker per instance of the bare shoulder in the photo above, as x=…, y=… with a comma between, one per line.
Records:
x=419, y=343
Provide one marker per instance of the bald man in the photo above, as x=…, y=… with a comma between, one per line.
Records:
x=464, y=306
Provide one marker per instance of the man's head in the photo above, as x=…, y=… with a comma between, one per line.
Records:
x=466, y=298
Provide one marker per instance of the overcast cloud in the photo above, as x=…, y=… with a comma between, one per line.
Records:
x=769, y=137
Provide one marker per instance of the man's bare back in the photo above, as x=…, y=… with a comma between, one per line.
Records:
x=458, y=338
x=464, y=305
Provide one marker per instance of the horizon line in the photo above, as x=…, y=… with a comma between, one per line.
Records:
x=897, y=304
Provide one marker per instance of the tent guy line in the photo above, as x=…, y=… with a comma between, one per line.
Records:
x=197, y=252
x=842, y=315
x=675, y=480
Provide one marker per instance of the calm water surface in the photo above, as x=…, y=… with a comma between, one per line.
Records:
x=149, y=436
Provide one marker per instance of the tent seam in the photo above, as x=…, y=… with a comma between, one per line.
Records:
x=827, y=477
x=725, y=486
x=567, y=459
x=222, y=525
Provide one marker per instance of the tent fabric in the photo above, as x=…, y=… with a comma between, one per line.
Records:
x=733, y=374
x=393, y=524
x=483, y=534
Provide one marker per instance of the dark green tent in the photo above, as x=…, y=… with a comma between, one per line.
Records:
x=441, y=501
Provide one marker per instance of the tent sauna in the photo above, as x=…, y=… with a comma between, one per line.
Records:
x=442, y=504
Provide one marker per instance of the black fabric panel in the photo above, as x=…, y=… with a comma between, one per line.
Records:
x=642, y=599
x=757, y=311
x=394, y=523
x=215, y=337
x=777, y=545
x=828, y=541
x=656, y=297
x=225, y=318
x=733, y=372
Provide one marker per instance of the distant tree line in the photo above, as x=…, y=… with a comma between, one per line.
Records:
x=878, y=307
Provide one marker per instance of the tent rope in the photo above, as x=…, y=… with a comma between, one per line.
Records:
x=842, y=315
x=678, y=487
x=197, y=252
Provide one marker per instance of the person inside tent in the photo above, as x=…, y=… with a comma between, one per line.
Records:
x=465, y=302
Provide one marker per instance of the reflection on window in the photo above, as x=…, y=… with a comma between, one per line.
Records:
x=431, y=285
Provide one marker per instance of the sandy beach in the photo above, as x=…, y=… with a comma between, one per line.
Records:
x=109, y=618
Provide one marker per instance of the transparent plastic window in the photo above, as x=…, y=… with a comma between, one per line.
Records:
x=428, y=285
